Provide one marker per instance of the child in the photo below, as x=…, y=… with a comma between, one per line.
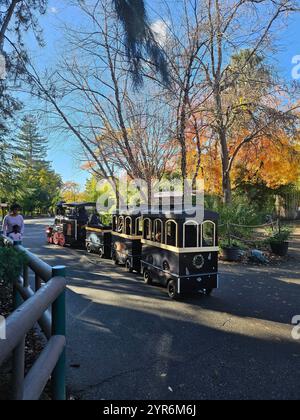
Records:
x=15, y=235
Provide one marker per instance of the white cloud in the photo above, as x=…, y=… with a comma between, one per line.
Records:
x=160, y=30
x=53, y=10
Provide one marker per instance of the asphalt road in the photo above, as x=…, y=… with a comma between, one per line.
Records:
x=127, y=340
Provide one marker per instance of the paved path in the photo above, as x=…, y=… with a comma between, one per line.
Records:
x=127, y=340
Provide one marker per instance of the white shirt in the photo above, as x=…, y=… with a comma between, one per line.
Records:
x=10, y=221
x=16, y=237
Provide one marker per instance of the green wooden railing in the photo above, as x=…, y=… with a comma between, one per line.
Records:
x=43, y=303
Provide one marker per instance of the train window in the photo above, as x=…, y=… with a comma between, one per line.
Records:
x=191, y=234
x=158, y=231
x=138, y=226
x=70, y=212
x=115, y=222
x=69, y=229
x=208, y=233
x=150, y=259
x=171, y=233
x=128, y=226
x=121, y=225
x=147, y=230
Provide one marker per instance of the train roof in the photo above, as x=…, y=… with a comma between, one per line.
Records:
x=169, y=214
x=179, y=215
x=74, y=205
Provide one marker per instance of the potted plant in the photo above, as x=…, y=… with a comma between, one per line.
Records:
x=231, y=250
x=278, y=240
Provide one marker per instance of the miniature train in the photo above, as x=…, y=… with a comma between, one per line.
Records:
x=168, y=248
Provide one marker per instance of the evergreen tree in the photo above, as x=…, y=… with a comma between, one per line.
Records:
x=25, y=174
x=30, y=147
x=2, y=164
x=6, y=175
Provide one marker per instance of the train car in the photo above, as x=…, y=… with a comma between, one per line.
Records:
x=126, y=241
x=70, y=223
x=180, y=253
x=98, y=240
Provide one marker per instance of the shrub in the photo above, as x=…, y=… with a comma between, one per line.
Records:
x=11, y=264
x=280, y=235
x=240, y=212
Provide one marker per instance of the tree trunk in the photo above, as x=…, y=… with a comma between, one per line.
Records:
x=226, y=182
x=222, y=133
x=227, y=192
x=6, y=21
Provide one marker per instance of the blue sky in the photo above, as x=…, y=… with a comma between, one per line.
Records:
x=63, y=151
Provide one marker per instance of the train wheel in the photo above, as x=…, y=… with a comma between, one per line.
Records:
x=147, y=277
x=62, y=240
x=56, y=238
x=89, y=248
x=172, y=290
x=101, y=253
x=115, y=259
x=128, y=266
x=208, y=292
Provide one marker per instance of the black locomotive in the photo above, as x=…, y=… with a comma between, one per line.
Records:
x=69, y=224
x=78, y=224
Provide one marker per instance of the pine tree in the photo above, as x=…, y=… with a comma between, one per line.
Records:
x=2, y=164
x=5, y=168
x=33, y=184
x=30, y=146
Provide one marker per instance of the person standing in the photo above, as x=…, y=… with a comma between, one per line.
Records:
x=13, y=219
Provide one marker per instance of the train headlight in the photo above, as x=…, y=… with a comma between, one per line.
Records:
x=198, y=261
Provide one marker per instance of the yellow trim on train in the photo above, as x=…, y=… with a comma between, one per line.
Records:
x=181, y=250
x=90, y=229
x=122, y=235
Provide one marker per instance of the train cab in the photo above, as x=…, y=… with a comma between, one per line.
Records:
x=180, y=253
x=70, y=223
x=126, y=241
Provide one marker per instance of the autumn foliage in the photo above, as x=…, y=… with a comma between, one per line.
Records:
x=270, y=160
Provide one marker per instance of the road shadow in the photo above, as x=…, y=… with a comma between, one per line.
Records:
x=130, y=354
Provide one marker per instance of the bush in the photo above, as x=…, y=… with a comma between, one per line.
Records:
x=240, y=212
x=11, y=264
x=280, y=235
